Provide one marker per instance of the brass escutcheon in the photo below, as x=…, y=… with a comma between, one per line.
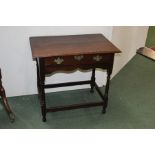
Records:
x=97, y=58
x=58, y=60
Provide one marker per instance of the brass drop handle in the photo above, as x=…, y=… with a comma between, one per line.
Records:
x=97, y=58
x=78, y=57
x=58, y=60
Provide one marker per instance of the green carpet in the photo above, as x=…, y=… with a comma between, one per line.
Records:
x=150, y=41
x=131, y=104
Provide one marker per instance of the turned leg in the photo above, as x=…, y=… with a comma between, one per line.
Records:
x=5, y=101
x=43, y=105
x=41, y=84
x=106, y=92
x=38, y=79
x=92, y=81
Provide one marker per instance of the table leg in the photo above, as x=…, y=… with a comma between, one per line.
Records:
x=106, y=92
x=42, y=89
x=5, y=101
x=43, y=105
x=38, y=79
x=92, y=81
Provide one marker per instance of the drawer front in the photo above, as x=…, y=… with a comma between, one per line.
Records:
x=79, y=60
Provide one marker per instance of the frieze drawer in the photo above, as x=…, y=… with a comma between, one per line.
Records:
x=78, y=59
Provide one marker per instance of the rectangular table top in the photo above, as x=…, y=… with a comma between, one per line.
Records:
x=48, y=46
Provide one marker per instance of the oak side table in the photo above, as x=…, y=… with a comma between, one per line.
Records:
x=67, y=53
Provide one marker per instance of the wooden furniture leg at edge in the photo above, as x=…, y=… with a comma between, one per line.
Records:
x=5, y=101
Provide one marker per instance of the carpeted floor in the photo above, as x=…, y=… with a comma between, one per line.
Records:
x=131, y=104
x=150, y=41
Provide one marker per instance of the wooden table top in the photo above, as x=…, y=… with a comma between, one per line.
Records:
x=147, y=52
x=48, y=46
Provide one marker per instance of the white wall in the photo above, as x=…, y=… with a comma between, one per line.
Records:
x=18, y=69
x=128, y=39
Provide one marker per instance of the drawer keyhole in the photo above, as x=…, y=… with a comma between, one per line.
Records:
x=78, y=57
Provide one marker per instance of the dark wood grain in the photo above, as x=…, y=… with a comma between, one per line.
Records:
x=5, y=101
x=147, y=52
x=68, y=53
x=74, y=106
x=49, y=46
